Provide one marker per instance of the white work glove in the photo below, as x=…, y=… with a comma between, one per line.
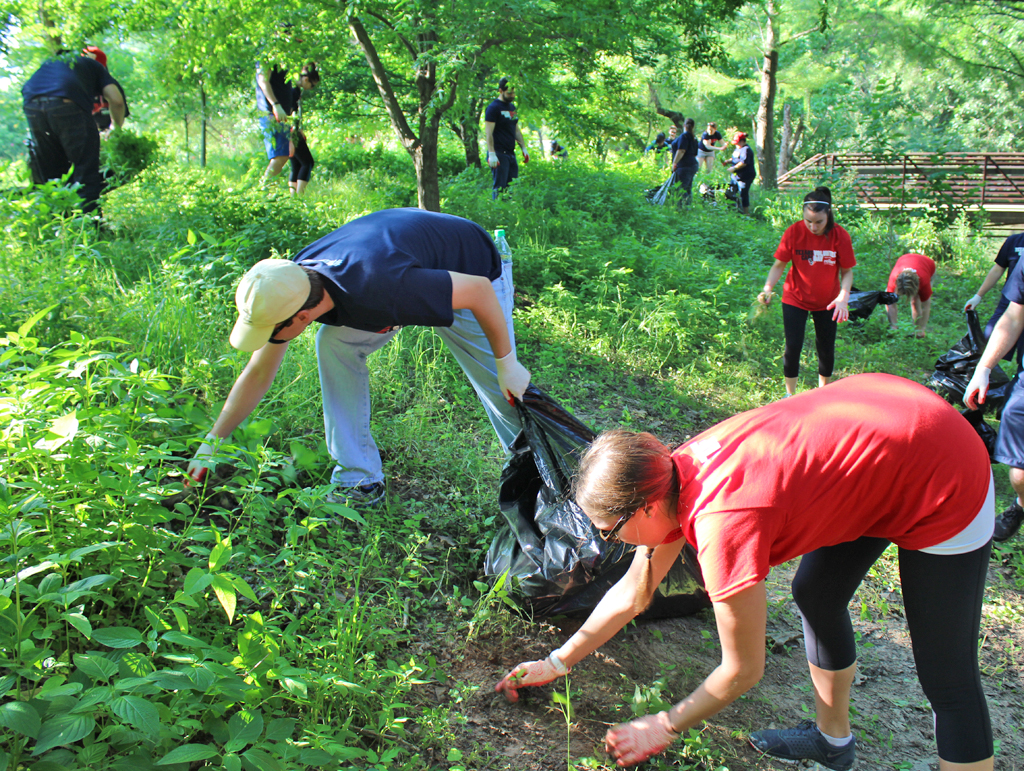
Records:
x=973, y=303
x=531, y=673
x=279, y=114
x=765, y=297
x=492, y=160
x=197, y=467
x=977, y=389
x=513, y=377
x=634, y=742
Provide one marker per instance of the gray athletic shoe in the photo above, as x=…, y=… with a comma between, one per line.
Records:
x=804, y=742
x=361, y=497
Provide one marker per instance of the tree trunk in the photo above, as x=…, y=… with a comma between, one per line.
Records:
x=676, y=117
x=202, y=136
x=790, y=139
x=468, y=131
x=767, y=169
x=424, y=158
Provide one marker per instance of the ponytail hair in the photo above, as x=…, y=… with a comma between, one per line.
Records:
x=311, y=72
x=620, y=472
x=821, y=201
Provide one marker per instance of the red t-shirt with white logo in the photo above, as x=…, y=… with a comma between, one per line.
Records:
x=870, y=455
x=813, y=279
x=925, y=268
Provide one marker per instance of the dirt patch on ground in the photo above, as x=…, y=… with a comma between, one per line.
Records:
x=891, y=717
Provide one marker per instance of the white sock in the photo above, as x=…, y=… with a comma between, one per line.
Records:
x=837, y=742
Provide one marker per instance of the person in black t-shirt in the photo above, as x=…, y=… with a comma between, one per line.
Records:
x=362, y=283
x=706, y=147
x=743, y=170
x=58, y=101
x=277, y=97
x=501, y=129
x=298, y=151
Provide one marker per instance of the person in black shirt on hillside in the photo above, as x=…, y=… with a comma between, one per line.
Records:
x=501, y=129
x=684, y=161
x=706, y=147
x=743, y=170
x=279, y=99
x=58, y=101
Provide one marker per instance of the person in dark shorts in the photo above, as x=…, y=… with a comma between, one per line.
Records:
x=833, y=477
x=1009, y=254
x=707, y=147
x=58, y=102
x=299, y=154
x=502, y=132
x=1010, y=440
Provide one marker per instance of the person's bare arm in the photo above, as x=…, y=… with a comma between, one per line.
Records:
x=840, y=306
x=991, y=279
x=1005, y=335
x=264, y=83
x=892, y=314
x=250, y=387
x=774, y=274
x=117, y=107
x=476, y=294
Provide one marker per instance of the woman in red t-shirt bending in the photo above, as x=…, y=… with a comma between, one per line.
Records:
x=818, y=284
x=911, y=277
x=835, y=475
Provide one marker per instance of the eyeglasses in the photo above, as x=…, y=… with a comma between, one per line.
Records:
x=286, y=323
x=612, y=536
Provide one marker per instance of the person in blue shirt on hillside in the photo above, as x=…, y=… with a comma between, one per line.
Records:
x=707, y=147
x=502, y=132
x=743, y=170
x=684, y=161
x=1009, y=254
x=361, y=284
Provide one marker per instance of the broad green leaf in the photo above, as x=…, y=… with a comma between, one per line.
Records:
x=225, y=591
x=243, y=588
x=188, y=753
x=220, y=555
x=5, y=761
x=295, y=687
x=280, y=729
x=77, y=554
x=6, y=683
x=191, y=237
x=182, y=618
x=182, y=639
x=196, y=581
x=20, y=717
x=314, y=757
x=25, y=328
x=79, y=622
x=245, y=727
x=95, y=666
x=63, y=729
x=263, y=761
x=118, y=637
x=87, y=584
x=137, y=712
x=231, y=763
x=60, y=432
x=157, y=623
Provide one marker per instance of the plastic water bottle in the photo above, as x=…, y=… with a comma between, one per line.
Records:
x=502, y=244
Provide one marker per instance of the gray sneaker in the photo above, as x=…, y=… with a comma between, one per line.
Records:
x=361, y=497
x=804, y=742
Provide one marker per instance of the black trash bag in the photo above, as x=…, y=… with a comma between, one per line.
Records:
x=863, y=303
x=558, y=561
x=953, y=371
x=988, y=434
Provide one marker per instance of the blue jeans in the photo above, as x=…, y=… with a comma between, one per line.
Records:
x=683, y=176
x=275, y=137
x=64, y=135
x=506, y=170
x=345, y=385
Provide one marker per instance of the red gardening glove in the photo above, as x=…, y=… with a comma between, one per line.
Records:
x=196, y=472
x=527, y=674
x=634, y=742
x=526, y=157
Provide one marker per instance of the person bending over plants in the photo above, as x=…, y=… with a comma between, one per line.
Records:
x=362, y=283
x=911, y=277
x=835, y=475
x=818, y=283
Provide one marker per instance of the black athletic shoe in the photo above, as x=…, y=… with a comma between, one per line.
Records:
x=1008, y=523
x=804, y=742
x=361, y=498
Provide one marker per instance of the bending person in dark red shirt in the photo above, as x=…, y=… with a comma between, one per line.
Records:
x=911, y=277
x=835, y=475
x=818, y=284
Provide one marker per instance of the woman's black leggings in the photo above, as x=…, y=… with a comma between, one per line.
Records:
x=942, y=596
x=794, y=322
x=302, y=162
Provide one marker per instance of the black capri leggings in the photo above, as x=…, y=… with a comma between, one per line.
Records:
x=302, y=162
x=942, y=596
x=794, y=322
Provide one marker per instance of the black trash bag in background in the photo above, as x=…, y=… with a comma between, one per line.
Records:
x=953, y=371
x=560, y=564
x=863, y=303
x=988, y=434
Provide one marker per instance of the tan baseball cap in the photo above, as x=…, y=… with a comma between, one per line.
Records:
x=269, y=293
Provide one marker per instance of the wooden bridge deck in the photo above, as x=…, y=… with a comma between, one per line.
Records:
x=959, y=181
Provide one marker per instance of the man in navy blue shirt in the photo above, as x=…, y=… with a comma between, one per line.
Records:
x=501, y=129
x=58, y=101
x=1009, y=254
x=1010, y=441
x=684, y=161
x=362, y=283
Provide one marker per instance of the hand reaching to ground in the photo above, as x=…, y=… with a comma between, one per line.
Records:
x=530, y=673
x=634, y=742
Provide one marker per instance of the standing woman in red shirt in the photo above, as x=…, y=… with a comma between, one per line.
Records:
x=818, y=284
